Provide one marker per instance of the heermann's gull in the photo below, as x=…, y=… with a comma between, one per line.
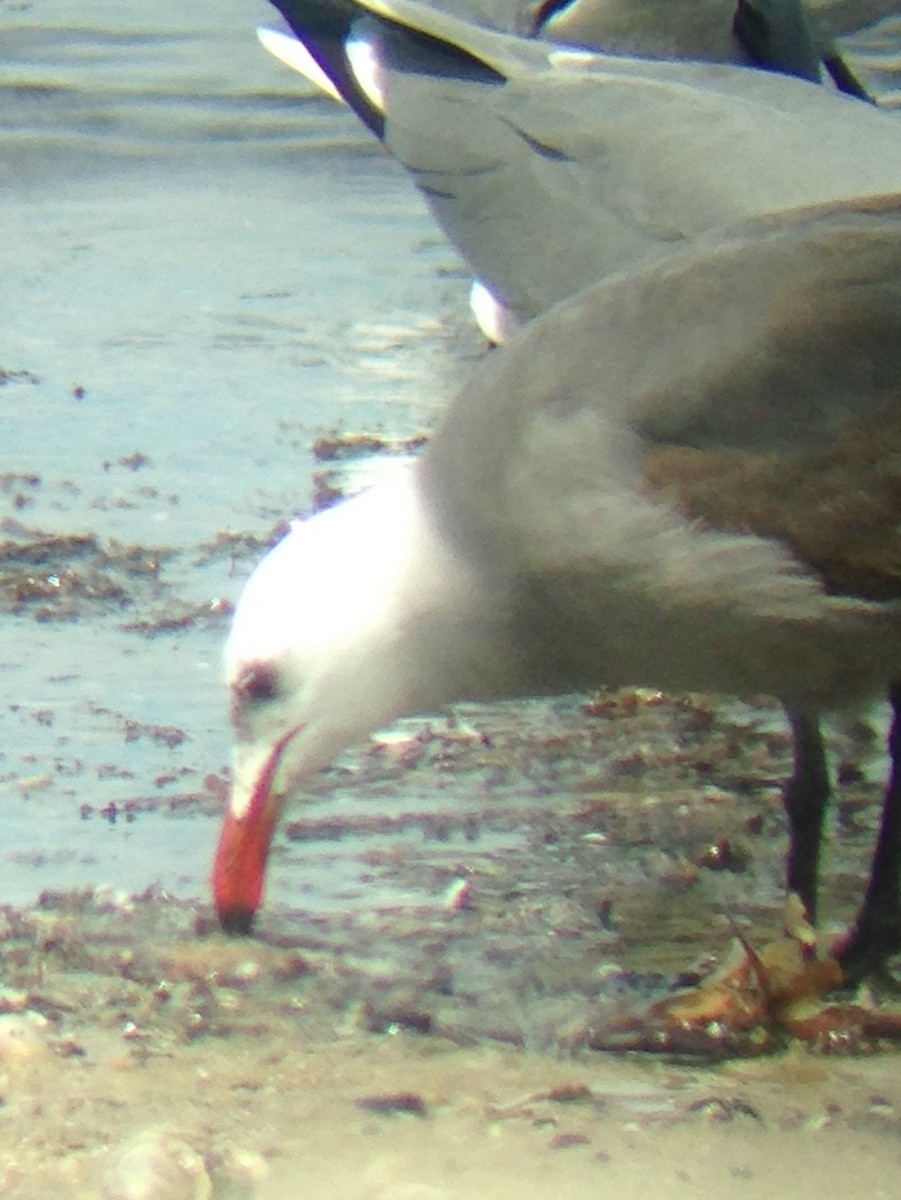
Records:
x=701, y=28
x=776, y=35
x=662, y=480
x=548, y=168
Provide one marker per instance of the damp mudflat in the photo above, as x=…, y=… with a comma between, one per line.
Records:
x=207, y=271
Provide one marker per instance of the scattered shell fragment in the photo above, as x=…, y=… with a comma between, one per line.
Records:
x=13, y=1000
x=156, y=1164
x=24, y=1036
x=243, y=1169
x=459, y=895
x=229, y=963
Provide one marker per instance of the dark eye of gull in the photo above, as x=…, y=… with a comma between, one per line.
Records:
x=257, y=682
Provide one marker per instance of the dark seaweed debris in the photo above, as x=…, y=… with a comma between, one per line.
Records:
x=53, y=576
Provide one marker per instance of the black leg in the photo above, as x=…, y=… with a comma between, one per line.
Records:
x=877, y=931
x=806, y=797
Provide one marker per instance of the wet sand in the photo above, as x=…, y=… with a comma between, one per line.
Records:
x=139, y=1061
x=422, y=1027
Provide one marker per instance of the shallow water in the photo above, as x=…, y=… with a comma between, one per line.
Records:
x=207, y=267
x=204, y=272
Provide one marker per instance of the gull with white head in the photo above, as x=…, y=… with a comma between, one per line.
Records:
x=541, y=213
x=660, y=481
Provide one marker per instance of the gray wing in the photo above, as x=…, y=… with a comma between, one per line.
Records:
x=557, y=177
x=669, y=476
x=548, y=170
x=776, y=344
x=553, y=180
x=777, y=35
x=687, y=29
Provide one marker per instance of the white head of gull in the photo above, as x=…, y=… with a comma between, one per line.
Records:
x=657, y=482
x=549, y=168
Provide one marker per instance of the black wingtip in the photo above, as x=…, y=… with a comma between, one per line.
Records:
x=777, y=37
